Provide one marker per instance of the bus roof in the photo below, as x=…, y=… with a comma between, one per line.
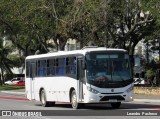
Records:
x=82, y=51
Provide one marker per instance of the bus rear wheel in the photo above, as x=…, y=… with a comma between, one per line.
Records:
x=75, y=104
x=116, y=105
x=43, y=99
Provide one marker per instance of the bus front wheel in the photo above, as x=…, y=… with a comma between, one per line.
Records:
x=75, y=104
x=116, y=105
x=43, y=99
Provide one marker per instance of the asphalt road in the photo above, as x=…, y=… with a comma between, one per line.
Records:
x=12, y=102
x=15, y=103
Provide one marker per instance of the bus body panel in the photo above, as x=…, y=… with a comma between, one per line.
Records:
x=53, y=91
x=61, y=93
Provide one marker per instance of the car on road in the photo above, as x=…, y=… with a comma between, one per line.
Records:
x=19, y=83
x=12, y=81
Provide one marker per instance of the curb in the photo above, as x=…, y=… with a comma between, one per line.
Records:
x=13, y=92
x=146, y=100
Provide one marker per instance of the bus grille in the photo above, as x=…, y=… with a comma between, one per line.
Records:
x=107, y=98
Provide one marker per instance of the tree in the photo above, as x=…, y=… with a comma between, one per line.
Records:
x=121, y=23
x=154, y=39
x=86, y=21
x=30, y=24
x=36, y=22
x=5, y=62
x=129, y=24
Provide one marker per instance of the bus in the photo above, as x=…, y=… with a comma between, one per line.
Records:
x=89, y=75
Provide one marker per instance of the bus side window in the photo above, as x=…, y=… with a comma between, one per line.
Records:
x=56, y=66
x=27, y=69
x=61, y=66
x=67, y=66
x=73, y=65
x=42, y=67
x=52, y=71
x=36, y=73
x=39, y=69
x=50, y=67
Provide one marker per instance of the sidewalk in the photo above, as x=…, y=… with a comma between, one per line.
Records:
x=16, y=92
x=146, y=98
x=137, y=97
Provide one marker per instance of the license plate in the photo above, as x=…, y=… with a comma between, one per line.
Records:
x=112, y=100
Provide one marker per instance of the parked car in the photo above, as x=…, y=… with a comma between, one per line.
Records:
x=19, y=83
x=141, y=81
x=12, y=81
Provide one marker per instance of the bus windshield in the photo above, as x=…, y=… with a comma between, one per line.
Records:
x=108, y=69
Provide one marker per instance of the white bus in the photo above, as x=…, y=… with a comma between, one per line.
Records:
x=90, y=75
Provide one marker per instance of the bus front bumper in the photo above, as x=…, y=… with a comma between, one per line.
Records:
x=98, y=98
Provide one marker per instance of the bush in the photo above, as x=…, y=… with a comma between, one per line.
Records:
x=149, y=73
x=150, y=76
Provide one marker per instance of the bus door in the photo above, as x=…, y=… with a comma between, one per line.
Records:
x=80, y=77
x=32, y=79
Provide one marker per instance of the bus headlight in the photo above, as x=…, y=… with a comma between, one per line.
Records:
x=130, y=89
x=92, y=90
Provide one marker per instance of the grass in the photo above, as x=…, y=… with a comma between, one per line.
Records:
x=8, y=87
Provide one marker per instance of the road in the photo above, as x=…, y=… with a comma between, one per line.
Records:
x=20, y=104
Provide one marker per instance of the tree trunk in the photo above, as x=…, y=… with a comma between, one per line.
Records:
x=62, y=43
x=2, y=77
x=0, y=80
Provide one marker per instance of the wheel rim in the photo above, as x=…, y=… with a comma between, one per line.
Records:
x=74, y=100
x=43, y=98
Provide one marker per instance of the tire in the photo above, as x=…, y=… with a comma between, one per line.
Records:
x=116, y=105
x=75, y=104
x=43, y=99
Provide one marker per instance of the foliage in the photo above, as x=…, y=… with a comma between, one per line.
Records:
x=18, y=61
x=130, y=24
x=8, y=87
x=150, y=73
x=5, y=62
x=153, y=41
x=30, y=24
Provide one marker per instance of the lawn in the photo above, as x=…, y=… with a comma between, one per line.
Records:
x=8, y=87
